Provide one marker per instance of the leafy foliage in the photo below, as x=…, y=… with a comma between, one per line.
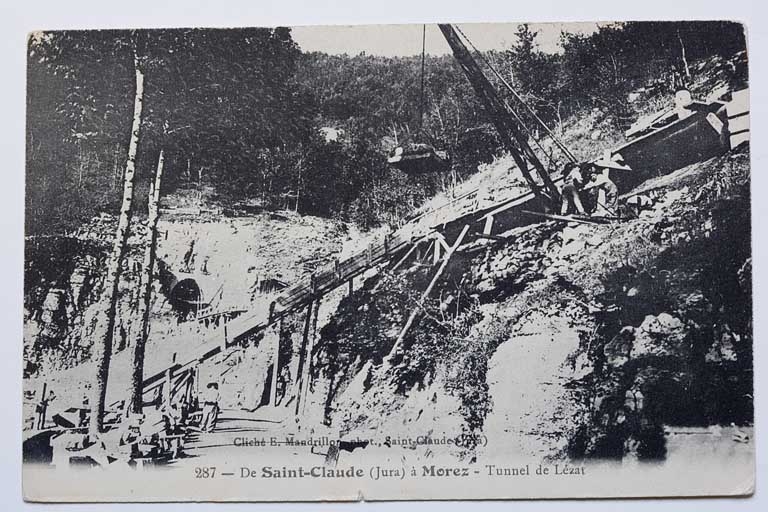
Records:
x=246, y=111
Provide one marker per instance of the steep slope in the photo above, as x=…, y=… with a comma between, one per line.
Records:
x=239, y=263
x=581, y=340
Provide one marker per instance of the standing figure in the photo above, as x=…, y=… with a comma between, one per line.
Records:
x=572, y=185
x=210, y=407
x=189, y=258
x=42, y=406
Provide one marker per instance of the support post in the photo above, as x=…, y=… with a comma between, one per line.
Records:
x=197, y=378
x=488, y=228
x=195, y=387
x=351, y=285
x=275, y=369
x=189, y=388
x=43, y=407
x=439, y=238
x=404, y=258
x=308, y=363
x=167, y=387
x=436, y=254
x=426, y=293
x=303, y=356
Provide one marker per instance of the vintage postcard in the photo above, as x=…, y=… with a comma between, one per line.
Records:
x=454, y=261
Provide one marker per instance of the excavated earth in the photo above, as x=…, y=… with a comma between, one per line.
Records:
x=563, y=339
x=231, y=259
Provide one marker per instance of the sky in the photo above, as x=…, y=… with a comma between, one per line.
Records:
x=405, y=40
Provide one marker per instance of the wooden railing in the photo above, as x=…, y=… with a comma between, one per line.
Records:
x=313, y=286
x=340, y=271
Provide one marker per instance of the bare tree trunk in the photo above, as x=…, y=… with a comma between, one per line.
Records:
x=682, y=52
x=150, y=252
x=298, y=185
x=115, y=167
x=103, y=336
x=440, y=117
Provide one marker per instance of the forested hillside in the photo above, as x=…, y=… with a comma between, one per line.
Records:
x=248, y=113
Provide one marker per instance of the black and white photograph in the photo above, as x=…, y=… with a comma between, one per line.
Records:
x=388, y=262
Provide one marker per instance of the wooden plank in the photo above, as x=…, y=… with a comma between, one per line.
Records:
x=517, y=201
x=491, y=237
x=275, y=366
x=488, y=227
x=167, y=385
x=303, y=356
x=738, y=117
x=441, y=239
x=565, y=218
x=407, y=255
x=426, y=293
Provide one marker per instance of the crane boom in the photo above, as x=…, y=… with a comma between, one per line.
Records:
x=511, y=137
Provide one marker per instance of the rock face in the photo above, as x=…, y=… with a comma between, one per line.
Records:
x=230, y=260
x=660, y=336
x=579, y=341
x=527, y=376
x=63, y=282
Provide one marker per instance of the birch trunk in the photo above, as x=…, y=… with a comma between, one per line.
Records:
x=150, y=253
x=686, y=68
x=103, y=336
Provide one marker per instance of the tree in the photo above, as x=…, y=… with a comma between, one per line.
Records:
x=150, y=252
x=80, y=91
x=103, y=336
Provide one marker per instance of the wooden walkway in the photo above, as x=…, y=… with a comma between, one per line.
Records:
x=176, y=372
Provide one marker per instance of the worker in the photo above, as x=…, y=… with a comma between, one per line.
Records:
x=189, y=258
x=572, y=185
x=210, y=407
x=42, y=408
x=683, y=103
x=607, y=192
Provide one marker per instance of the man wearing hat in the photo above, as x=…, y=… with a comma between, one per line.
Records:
x=599, y=179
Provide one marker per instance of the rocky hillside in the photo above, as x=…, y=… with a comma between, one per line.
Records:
x=240, y=263
x=586, y=340
x=580, y=340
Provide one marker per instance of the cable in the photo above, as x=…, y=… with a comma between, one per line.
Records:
x=423, y=56
x=559, y=144
x=528, y=131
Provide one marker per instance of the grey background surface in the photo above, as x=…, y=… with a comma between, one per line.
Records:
x=19, y=18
